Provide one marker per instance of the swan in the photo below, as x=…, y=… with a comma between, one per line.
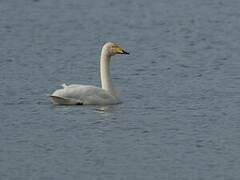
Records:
x=77, y=94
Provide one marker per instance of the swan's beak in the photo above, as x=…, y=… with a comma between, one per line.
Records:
x=120, y=50
x=124, y=52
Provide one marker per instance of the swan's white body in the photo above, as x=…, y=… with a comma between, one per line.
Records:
x=77, y=94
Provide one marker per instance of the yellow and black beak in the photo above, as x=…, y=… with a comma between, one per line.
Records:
x=120, y=50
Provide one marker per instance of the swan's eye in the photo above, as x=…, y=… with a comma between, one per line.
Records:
x=117, y=49
x=114, y=48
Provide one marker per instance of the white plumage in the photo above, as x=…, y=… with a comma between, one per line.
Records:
x=77, y=94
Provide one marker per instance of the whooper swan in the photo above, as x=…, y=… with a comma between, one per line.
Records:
x=77, y=94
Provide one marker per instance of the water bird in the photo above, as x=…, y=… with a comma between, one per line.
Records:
x=78, y=94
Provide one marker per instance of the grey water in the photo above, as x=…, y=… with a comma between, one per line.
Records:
x=180, y=90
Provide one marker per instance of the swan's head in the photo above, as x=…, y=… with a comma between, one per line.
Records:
x=112, y=49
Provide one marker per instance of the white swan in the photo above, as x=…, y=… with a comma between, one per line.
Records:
x=77, y=94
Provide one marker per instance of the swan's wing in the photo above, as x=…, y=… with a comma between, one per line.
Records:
x=65, y=101
x=77, y=94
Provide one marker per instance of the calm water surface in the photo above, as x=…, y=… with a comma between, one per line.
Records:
x=180, y=116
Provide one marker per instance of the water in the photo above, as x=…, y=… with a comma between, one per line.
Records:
x=180, y=88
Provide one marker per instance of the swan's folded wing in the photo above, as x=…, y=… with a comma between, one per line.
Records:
x=85, y=94
x=65, y=101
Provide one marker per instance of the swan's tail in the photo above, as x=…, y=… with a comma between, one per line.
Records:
x=64, y=101
x=64, y=85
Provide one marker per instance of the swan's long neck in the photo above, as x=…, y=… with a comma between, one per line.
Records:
x=106, y=80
